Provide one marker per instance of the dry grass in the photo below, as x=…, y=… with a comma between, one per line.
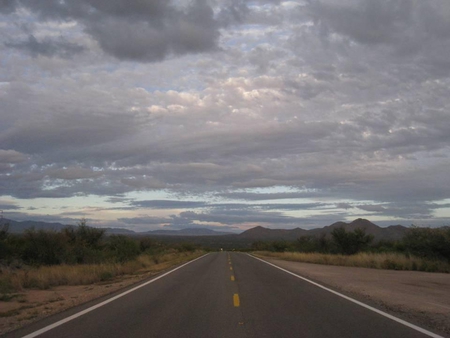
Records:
x=392, y=261
x=48, y=276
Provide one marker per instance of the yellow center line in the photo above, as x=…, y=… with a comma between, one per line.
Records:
x=232, y=278
x=236, y=301
x=231, y=268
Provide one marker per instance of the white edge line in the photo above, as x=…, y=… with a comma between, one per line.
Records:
x=398, y=320
x=92, y=308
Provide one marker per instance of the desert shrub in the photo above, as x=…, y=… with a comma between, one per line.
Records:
x=186, y=247
x=84, y=235
x=146, y=244
x=428, y=242
x=261, y=246
x=122, y=248
x=280, y=246
x=43, y=247
x=312, y=244
x=84, y=244
x=350, y=242
x=4, y=245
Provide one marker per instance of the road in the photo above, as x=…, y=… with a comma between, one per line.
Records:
x=224, y=295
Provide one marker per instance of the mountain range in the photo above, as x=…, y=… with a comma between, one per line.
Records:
x=393, y=232
x=17, y=227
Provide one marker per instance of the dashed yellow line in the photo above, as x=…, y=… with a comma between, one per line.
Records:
x=236, y=300
x=232, y=278
x=231, y=268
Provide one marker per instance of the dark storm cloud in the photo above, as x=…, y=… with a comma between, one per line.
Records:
x=130, y=30
x=47, y=47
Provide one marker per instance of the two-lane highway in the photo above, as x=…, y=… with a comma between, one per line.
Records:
x=225, y=295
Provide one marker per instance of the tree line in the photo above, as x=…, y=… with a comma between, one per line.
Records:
x=433, y=243
x=77, y=245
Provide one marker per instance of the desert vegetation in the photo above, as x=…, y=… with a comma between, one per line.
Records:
x=423, y=249
x=79, y=256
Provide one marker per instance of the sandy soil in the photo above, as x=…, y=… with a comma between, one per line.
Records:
x=419, y=297
x=32, y=305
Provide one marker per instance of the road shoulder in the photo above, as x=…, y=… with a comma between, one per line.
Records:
x=418, y=297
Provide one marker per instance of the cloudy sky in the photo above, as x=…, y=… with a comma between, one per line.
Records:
x=225, y=114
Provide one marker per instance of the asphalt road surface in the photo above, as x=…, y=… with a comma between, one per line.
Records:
x=223, y=295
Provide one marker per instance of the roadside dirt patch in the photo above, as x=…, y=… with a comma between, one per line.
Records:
x=32, y=305
x=421, y=298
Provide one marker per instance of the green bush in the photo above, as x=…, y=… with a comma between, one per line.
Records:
x=349, y=243
x=4, y=245
x=85, y=244
x=312, y=244
x=122, y=248
x=44, y=247
x=428, y=242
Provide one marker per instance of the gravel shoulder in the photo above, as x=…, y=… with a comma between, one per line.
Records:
x=421, y=298
x=32, y=305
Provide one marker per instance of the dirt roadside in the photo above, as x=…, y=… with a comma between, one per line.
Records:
x=420, y=298
x=32, y=305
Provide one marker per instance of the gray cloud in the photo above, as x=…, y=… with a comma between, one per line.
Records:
x=11, y=156
x=146, y=220
x=262, y=196
x=166, y=204
x=47, y=47
x=7, y=6
x=7, y=206
x=410, y=29
x=129, y=30
x=315, y=107
x=180, y=204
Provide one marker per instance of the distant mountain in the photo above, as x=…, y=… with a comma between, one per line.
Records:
x=393, y=232
x=19, y=227
x=186, y=232
x=118, y=231
x=261, y=233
